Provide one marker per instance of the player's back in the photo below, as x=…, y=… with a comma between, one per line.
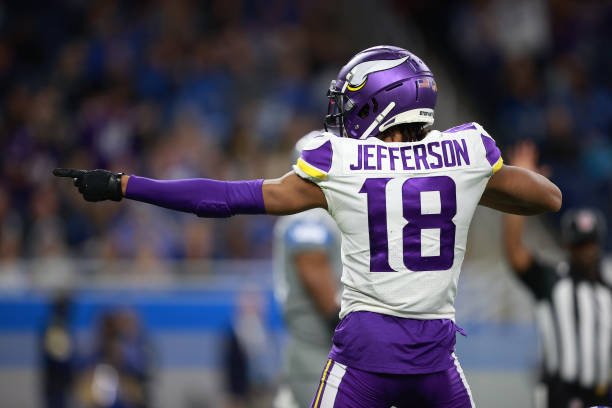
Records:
x=404, y=210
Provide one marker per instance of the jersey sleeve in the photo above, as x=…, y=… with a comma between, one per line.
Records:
x=540, y=279
x=492, y=154
x=307, y=235
x=315, y=161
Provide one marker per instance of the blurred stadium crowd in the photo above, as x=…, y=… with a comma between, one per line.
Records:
x=164, y=89
x=537, y=70
x=223, y=89
x=540, y=71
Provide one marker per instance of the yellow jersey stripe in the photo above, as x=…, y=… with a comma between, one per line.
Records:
x=323, y=378
x=498, y=165
x=310, y=170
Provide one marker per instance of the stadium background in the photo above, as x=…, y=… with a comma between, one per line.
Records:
x=222, y=89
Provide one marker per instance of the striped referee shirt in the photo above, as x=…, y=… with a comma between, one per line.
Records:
x=575, y=323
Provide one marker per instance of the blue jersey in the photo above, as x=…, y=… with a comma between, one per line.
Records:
x=312, y=230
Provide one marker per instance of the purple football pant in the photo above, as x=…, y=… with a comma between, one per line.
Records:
x=348, y=387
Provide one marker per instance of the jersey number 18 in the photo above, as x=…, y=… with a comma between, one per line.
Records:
x=418, y=221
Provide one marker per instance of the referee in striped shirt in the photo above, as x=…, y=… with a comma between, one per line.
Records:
x=574, y=305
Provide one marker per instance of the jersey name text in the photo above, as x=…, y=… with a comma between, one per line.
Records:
x=432, y=155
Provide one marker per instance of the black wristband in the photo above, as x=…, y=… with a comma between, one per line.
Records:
x=114, y=187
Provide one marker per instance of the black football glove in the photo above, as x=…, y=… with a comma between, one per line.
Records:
x=94, y=185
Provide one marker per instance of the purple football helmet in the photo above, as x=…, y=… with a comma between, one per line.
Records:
x=380, y=87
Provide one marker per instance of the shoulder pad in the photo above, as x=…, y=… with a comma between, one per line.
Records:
x=491, y=150
x=316, y=158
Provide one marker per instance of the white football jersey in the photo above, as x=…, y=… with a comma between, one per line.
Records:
x=403, y=210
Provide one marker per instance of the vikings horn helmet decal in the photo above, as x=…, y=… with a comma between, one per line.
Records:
x=356, y=79
x=380, y=87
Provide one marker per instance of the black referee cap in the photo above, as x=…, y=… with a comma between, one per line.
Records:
x=583, y=225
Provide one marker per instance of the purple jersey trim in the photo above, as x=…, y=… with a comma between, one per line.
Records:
x=459, y=128
x=394, y=345
x=493, y=153
x=321, y=157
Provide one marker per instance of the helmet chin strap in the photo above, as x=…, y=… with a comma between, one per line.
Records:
x=377, y=121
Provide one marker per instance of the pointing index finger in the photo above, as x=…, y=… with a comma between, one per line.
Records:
x=72, y=173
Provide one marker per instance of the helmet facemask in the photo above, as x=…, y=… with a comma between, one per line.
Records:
x=339, y=105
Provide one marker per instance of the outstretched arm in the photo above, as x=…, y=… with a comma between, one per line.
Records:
x=203, y=197
x=285, y=195
x=291, y=194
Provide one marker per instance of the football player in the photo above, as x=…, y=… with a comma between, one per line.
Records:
x=402, y=197
x=307, y=272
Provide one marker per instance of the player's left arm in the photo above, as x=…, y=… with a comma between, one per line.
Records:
x=520, y=191
x=204, y=197
x=516, y=189
x=521, y=188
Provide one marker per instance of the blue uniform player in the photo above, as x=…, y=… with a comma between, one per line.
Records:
x=307, y=271
x=403, y=197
